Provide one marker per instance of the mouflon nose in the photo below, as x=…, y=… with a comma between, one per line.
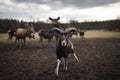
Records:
x=63, y=43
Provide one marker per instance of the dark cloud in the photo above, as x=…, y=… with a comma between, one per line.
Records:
x=56, y=4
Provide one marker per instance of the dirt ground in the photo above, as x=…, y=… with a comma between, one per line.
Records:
x=99, y=60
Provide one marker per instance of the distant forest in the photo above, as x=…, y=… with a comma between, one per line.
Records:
x=110, y=25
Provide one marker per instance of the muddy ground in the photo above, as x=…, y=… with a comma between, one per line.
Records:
x=99, y=60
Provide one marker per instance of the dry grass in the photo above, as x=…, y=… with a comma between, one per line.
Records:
x=88, y=34
x=100, y=34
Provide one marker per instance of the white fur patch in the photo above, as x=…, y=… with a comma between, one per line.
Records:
x=64, y=43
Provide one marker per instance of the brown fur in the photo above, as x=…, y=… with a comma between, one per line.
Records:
x=22, y=33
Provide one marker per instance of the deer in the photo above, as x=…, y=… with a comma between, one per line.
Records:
x=81, y=33
x=22, y=33
x=45, y=34
x=55, y=24
x=64, y=47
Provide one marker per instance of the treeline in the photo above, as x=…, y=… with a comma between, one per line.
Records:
x=110, y=25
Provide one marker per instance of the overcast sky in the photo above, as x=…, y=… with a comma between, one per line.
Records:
x=67, y=9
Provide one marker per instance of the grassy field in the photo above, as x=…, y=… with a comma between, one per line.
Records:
x=88, y=34
x=101, y=34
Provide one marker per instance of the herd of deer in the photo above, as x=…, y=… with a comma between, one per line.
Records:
x=64, y=47
x=28, y=31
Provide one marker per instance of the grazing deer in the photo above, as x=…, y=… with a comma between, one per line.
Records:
x=22, y=33
x=64, y=47
x=81, y=33
x=45, y=34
